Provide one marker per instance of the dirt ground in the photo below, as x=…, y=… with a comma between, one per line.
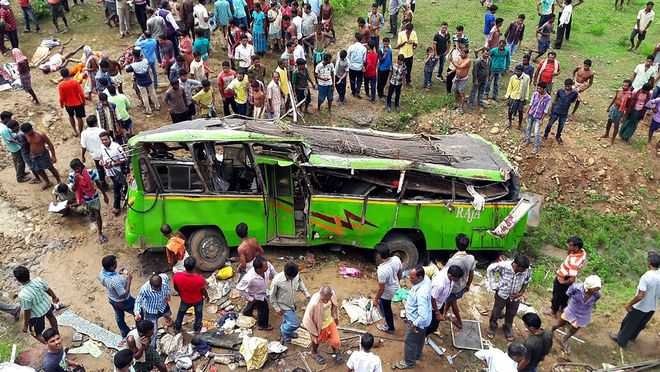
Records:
x=584, y=172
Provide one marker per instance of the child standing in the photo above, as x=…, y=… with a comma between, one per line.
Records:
x=398, y=73
x=364, y=359
x=371, y=73
x=429, y=64
x=538, y=108
x=259, y=99
x=341, y=76
x=301, y=81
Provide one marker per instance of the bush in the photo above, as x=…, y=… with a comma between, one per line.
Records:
x=40, y=8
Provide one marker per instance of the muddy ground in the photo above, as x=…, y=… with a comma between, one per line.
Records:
x=586, y=171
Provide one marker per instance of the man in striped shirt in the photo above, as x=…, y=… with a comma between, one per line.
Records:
x=152, y=302
x=118, y=290
x=35, y=300
x=566, y=275
x=509, y=287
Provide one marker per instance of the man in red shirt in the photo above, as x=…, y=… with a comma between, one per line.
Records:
x=192, y=291
x=224, y=78
x=546, y=71
x=72, y=98
x=8, y=20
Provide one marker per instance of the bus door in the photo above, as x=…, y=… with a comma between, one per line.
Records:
x=281, y=198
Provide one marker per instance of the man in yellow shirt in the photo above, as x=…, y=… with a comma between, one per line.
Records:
x=240, y=88
x=206, y=100
x=517, y=95
x=284, y=80
x=407, y=43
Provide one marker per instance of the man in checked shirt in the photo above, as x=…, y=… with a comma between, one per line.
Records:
x=509, y=288
x=152, y=302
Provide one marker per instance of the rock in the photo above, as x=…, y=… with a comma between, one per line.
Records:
x=518, y=158
x=591, y=161
x=494, y=130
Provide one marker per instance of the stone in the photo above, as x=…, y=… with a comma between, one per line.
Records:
x=591, y=161
x=494, y=130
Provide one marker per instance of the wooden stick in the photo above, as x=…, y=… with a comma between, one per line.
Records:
x=572, y=337
x=355, y=330
x=302, y=356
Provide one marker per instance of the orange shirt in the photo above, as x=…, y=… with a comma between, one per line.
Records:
x=71, y=93
x=572, y=265
x=176, y=250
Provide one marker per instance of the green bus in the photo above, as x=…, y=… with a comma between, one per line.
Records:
x=308, y=186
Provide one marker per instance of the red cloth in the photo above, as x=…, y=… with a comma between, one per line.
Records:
x=546, y=75
x=84, y=186
x=8, y=17
x=371, y=66
x=71, y=93
x=24, y=3
x=189, y=286
x=224, y=78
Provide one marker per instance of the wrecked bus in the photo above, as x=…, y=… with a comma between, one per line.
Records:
x=308, y=186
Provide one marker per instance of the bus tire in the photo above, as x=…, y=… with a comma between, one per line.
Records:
x=209, y=248
x=404, y=247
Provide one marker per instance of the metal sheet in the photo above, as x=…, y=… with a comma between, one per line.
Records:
x=467, y=338
x=70, y=319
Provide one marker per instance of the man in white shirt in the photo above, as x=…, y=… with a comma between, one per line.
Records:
x=308, y=27
x=441, y=286
x=244, y=53
x=274, y=97
x=299, y=52
x=644, y=19
x=364, y=360
x=325, y=80
x=297, y=20
x=643, y=73
x=564, y=23
x=90, y=141
x=389, y=275
x=497, y=361
x=641, y=308
x=201, y=16
x=113, y=159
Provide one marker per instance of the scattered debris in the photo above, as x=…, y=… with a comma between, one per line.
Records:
x=255, y=352
x=361, y=310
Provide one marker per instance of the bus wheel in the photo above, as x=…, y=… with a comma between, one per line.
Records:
x=407, y=251
x=209, y=248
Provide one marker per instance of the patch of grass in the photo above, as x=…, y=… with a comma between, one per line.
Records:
x=640, y=145
x=596, y=30
x=616, y=246
x=616, y=249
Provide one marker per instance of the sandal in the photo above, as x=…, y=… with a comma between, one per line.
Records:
x=319, y=359
x=402, y=365
x=384, y=328
x=267, y=328
x=338, y=358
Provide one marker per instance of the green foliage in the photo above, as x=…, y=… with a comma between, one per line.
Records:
x=40, y=8
x=342, y=6
x=616, y=244
x=596, y=30
x=5, y=351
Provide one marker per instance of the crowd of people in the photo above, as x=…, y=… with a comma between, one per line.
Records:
x=433, y=296
x=175, y=41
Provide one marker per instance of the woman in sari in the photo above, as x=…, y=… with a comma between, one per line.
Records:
x=259, y=29
x=23, y=67
x=636, y=111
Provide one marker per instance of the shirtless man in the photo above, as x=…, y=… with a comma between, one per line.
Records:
x=583, y=76
x=42, y=154
x=617, y=109
x=248, y=249
x=462, y=75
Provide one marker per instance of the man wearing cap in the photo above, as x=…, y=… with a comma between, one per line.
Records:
x=582, y=299
x=641, y=308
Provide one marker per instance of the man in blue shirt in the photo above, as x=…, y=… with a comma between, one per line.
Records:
x=118, y=290
x=489, y=20
x=418, y=318
x=8, y=129
x=500, y=60
x=149, y=47
x=559, y=111
x=384, y=66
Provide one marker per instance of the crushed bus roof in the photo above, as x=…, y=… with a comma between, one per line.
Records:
x=460, y=155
